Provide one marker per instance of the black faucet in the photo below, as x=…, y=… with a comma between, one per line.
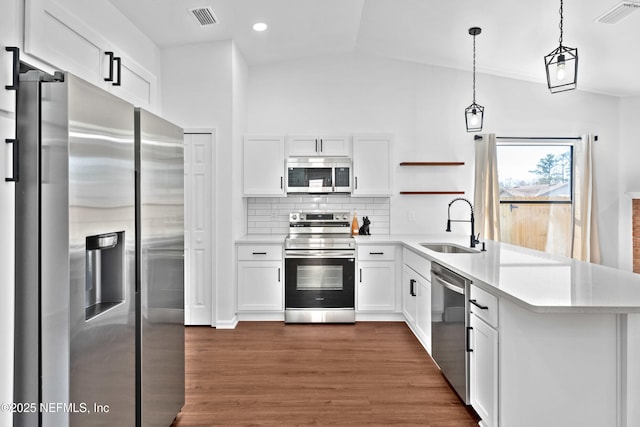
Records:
x=474, y=240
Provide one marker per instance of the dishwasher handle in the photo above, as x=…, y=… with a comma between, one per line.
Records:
x=451, y=286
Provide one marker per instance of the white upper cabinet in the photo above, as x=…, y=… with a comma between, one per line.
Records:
x=263, y=166
x=57, y=37
x=372, y=165
x=322, y=145
x=7, y=38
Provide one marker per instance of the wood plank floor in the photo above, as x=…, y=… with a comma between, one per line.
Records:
x=272, y=374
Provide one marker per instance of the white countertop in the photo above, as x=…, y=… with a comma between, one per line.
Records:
x=535, y=280
x=538, y=281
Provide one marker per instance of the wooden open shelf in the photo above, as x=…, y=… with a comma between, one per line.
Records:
x=432, y=164
x=430, y=192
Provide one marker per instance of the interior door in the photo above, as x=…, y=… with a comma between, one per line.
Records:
x=199, y=219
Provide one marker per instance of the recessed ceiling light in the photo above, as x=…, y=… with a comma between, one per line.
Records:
x=259, y=26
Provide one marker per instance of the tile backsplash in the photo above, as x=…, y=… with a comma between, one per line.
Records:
x=270, y=215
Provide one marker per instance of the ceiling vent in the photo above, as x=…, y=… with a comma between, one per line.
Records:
x=618, y=12
x=204, y=16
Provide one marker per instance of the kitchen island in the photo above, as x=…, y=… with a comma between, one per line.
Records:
x=560, y=347
x=566, y=343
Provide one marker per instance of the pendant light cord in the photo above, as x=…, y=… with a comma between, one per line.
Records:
x=561, y=19
x=474, y=69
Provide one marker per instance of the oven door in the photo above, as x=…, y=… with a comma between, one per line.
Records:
x=319, y=281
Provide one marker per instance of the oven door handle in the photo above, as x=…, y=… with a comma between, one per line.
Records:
x=306, y=253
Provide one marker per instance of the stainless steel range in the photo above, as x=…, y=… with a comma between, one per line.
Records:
x=319, y=268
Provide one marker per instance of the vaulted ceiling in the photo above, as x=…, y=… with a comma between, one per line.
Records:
x=516, y=34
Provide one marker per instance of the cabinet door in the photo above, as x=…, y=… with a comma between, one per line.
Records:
x=137, y=84
x=7, y=38
x=423, y=310
x=409, y=294
x=323, y=145
x=260, y=286
x=263, y=166
x=371, y=166
x=484, y=371
x=303, y=145
x=57, y=37
x=376, y=286
x=335, y=146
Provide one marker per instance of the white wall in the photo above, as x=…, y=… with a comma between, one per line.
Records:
x=423, y=106
x=629, y=158
x=204, y=86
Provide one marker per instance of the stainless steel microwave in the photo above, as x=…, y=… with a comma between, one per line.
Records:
x=318, y=175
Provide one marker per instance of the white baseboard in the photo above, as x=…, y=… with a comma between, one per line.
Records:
x=264, y=316
x=379, y=317
x=227, y=324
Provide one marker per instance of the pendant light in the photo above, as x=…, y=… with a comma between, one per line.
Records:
x=562, y=64
x=474, y=113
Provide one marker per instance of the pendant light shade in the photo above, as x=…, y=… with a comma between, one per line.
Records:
x=474, y=113
x=562, y=64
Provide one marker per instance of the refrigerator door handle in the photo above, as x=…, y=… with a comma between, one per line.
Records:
x=15, y=172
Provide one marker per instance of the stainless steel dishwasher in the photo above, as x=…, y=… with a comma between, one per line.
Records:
x=449, y=322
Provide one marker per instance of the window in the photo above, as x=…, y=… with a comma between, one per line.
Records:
x=536, y=195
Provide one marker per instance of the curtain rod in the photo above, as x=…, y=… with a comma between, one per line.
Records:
x=568, y=138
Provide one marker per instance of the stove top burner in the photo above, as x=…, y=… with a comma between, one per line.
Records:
x=319, y=230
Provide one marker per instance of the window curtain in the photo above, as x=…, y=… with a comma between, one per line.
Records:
x=585, y=241
x=486, y=195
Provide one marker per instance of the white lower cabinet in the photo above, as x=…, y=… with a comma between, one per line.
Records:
x=423, y=311
x=416, y=296
x=376, y=286
x=409, y=294
x=376, y=281
x=484, y=371
x=260, y=278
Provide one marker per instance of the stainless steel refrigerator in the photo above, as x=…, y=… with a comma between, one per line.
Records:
x=84, y=289
x=160, y=220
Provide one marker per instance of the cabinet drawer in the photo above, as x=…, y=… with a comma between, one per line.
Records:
x=376, y=252
x=484, y=305
x=259, y=252
x=419, y=264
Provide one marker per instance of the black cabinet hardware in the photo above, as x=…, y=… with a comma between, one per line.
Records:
x=469, y=349
x=109, y=77
x=412, y=289
x=15, y=173
x=376, y=253
x=356, y=182
x=278, y=274
x=259, y=253
x=15, y=72
x=316, y=145
x=321, y=149
x=481, y=307
x=360, y=275
x=119, y=79
x=281, y=182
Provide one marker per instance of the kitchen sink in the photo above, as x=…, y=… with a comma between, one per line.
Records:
x=448, y=248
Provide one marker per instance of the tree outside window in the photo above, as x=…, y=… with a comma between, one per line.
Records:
x=536, y=195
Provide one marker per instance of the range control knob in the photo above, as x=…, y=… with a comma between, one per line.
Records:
x=344, y=217
x=302, y=216
x=294, y=217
